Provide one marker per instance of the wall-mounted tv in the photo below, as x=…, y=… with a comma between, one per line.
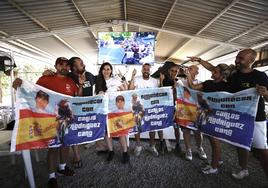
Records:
x=135, y=48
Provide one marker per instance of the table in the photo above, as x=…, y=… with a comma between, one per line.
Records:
x=5, y=137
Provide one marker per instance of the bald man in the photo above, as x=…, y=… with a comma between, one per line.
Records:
x=245, y=78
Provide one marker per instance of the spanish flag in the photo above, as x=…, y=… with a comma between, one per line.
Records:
x=186, y=112
x=120, y=123
x=35, y=130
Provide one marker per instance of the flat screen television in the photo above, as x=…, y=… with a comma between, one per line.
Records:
x=135, y=48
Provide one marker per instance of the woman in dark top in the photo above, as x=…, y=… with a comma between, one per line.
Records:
x=219, y=75
x=170, y=79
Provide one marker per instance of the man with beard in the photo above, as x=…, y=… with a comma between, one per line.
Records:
x=139, y=82
x=60, y=83
x=86, y=80
x=80, y=76
x=245, y=78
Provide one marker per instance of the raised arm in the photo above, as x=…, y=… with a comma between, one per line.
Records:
x=131, y=84
x=204, y=63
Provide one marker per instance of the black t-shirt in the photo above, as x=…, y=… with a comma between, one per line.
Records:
x=211, y=86
x=241, y=81
x=169, y=82
x=88, y=84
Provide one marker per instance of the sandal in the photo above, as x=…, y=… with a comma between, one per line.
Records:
x=77, y=164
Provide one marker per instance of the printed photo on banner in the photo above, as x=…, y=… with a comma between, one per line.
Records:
x=48, y=119
x=120, y=116
x=227, y=116
x=153, y=109
x=186, y=108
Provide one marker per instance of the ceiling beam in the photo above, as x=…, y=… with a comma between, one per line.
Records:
x=185, y=35
x=125, y=14
x=167, y=17
x=83, y=18
x=264, y=23
x=218, y=16
x=256, y=46
x=238, y=36
x=39, y=58
x=69, y=31
x=185, y=43
x=43, y=26
x=65, y=32
x=27, y=46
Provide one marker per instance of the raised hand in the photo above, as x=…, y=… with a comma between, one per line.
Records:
x=48, y=72
x=134, y=72
x=194, y=58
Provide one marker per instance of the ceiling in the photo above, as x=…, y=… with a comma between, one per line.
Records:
x=208, y=29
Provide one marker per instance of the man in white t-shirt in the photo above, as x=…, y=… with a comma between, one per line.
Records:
x=139, y=82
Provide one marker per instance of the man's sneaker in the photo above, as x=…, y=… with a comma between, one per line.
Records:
x=125, y=158
x=52, y=183
x=110, y=156
x=188, y=155
x=154, y=151
x=137, y=150
x=201, y=153
x=210, y=170
x=241, y=174
x=66, y=172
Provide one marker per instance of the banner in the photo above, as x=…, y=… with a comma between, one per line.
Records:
x=228, y=117
x=186, y=108
x=48, y=119
x=140, y=110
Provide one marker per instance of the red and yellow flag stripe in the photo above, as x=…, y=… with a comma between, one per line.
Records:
x=185, y=112
x=35, y=130
x=119, y=123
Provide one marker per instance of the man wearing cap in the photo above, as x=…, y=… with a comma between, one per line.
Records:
x=62, y=84
x=139, y=82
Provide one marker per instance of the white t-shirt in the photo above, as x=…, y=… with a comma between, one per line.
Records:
x=140, y=83
x=184, y=82
x=113, y=84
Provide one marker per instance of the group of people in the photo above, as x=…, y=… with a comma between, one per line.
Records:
x=72, y=79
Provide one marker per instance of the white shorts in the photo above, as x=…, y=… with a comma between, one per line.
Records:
x=260, y=135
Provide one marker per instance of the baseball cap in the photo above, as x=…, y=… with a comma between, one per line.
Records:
x=61, y=60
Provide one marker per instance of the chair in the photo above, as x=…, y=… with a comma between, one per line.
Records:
x=5, y=138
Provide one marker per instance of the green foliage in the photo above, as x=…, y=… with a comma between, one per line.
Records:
x=25, y=72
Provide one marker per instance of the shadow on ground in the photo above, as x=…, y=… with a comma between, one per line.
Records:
x=168, y=170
